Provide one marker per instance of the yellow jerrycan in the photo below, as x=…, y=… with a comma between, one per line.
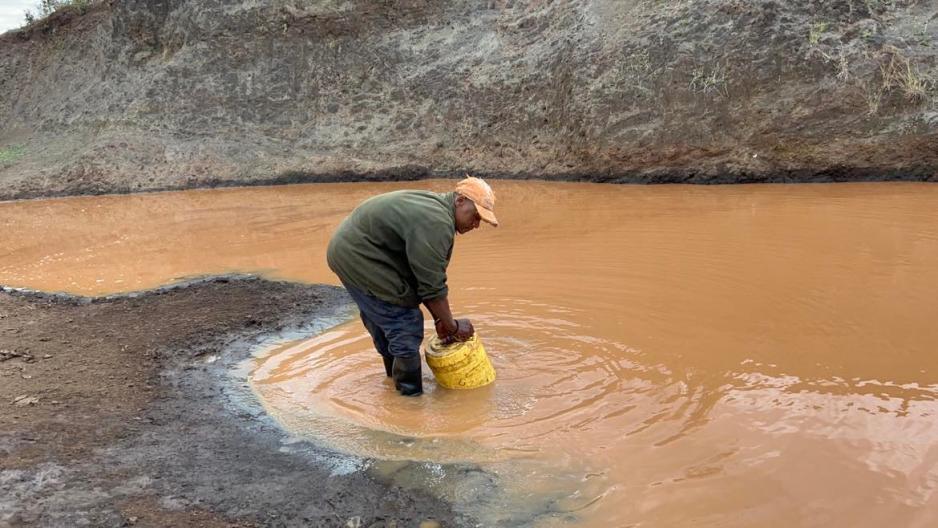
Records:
x=459, y=365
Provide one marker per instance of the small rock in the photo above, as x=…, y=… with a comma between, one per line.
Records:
x=354, y=522
x=431, y=523
x=47, y=356
x=26, y=376
x=25, y=400
x=6, y=354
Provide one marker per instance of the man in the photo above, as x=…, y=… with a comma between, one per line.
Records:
x=391, y=254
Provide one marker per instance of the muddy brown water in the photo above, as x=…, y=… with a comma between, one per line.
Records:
x=667, y=356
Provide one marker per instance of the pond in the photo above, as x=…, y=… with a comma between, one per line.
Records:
x=761, y=355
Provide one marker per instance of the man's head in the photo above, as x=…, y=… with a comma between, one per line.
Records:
x=475, y=201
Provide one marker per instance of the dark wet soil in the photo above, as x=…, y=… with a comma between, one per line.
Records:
x=117, y=184
x=130, y=411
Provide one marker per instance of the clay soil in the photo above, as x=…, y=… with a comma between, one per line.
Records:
x=128, y=411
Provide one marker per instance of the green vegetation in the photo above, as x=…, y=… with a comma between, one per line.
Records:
x=10, y=154
x=46, y=7
x=816, y=31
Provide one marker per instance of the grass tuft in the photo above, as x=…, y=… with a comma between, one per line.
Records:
x=899, y=73
x=816, y=31
x=712, y=81
x=11, y=154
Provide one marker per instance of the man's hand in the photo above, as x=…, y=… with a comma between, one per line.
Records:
x=445, y=329
x=448, y=329
x=464, y=330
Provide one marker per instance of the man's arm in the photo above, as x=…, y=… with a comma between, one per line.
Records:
x=428, y=249
x=447, y=328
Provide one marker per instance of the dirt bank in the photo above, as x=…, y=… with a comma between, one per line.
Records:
x=140, y=95
x=128, y=411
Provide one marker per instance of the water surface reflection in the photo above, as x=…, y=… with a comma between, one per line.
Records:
x=667, y=356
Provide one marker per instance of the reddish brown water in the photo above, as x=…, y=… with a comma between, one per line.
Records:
x=667, y=356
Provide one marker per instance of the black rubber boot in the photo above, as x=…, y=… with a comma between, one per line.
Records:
x=388, y=363
x=406, y=372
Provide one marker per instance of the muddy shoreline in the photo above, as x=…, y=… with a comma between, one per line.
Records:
x=103, y=186
x=127, y=410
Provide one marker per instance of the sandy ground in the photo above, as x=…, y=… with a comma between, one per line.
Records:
x=129, y=411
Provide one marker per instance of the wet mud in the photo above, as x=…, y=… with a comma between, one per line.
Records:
x=127, y=410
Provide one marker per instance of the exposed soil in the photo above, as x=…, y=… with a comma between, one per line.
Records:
x=137, y=95
x=127, y=411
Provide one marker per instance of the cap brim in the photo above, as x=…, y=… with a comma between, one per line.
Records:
x=487, y=215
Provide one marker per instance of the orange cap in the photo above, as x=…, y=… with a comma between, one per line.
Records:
x=481, y=195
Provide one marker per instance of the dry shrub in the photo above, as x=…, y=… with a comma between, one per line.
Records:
x=898, y=73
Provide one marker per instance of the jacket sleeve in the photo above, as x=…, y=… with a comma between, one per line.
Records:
x=428, y=250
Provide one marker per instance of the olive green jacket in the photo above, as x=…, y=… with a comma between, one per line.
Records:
x=397, y=246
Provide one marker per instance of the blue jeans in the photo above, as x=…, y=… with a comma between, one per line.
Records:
x=397, y=331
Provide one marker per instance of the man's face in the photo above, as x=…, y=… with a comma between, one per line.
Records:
x=467, y=218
